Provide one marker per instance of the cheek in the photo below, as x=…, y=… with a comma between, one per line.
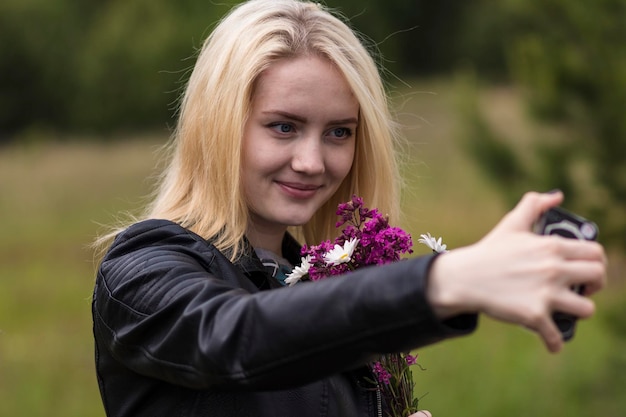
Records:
x=341, y=162
x=258, y=156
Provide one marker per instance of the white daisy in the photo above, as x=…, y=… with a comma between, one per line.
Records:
x=435, y=244
x=341, y=255
x=299, y=271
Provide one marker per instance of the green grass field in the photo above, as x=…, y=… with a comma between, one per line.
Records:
x=55, y=196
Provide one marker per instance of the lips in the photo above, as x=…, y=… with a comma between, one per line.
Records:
x=298, y=190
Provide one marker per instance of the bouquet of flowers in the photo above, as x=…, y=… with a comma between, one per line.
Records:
x=368, y=239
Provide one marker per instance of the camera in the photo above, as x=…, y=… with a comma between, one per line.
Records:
x=558, y=221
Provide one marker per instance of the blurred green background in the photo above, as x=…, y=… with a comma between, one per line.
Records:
x=495, y=99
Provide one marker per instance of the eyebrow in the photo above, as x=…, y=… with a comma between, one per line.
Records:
x=349, y=120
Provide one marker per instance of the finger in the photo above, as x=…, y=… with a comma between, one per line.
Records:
x=585, y=262
x=578, y=249
x=552, y=337
x=529, y=209
x=588, y=273
x=574, y=304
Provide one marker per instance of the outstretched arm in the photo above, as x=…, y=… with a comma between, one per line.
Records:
x=516, y=276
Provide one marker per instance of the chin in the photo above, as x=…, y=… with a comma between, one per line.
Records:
x=297, y=220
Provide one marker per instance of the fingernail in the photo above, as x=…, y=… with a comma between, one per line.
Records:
x=554, y=191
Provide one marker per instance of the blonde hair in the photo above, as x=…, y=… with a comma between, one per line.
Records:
x=201, y=188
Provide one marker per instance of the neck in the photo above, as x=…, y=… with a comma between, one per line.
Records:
x=271, y=241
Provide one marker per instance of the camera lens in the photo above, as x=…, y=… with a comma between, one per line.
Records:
x=588, y=231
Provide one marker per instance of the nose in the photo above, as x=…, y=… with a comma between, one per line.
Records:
x=308, y=156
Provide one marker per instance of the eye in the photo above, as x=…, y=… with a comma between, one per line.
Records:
x=340, y=132
x=282, y=127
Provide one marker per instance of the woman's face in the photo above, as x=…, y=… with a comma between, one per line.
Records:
x=298, y=143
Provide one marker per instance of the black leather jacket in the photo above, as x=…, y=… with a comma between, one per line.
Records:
x=181, y=331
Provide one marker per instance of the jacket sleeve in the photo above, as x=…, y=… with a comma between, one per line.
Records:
x=167, y=307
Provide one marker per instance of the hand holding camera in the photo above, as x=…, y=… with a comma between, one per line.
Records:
x=516, y=276
x=558, y=221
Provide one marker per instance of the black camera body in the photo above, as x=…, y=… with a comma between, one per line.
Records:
x=558, y=221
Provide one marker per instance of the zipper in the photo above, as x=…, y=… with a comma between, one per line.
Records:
x=379, y=401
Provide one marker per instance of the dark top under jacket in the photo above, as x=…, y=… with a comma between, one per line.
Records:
x=182, y=331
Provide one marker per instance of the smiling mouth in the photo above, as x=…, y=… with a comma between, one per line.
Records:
x=298, y=190
x=299, y=186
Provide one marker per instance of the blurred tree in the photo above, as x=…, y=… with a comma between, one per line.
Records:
x=136, y=58
x=100, y=65
x=106, y=65
x=569, y=60
x=37, y=69
x=414, y=36
x=120, y=83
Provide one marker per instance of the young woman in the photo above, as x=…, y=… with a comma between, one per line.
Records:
x=284, y=117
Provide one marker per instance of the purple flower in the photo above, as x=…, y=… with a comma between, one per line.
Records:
x=375, y=243
x=410, y=359
x=379, y=243
x=382, y=375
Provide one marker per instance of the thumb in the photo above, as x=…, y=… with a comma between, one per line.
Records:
x=422, y=413
x=528, y=210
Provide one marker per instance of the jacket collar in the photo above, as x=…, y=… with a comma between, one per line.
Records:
x=250, y=264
